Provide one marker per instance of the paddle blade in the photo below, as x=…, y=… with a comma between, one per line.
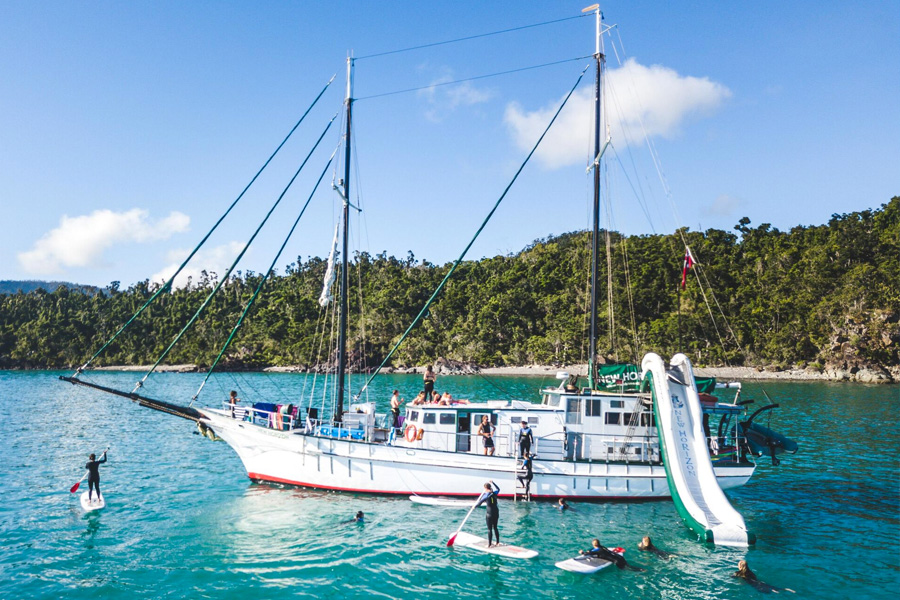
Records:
x=74, y=488
x=452, y=539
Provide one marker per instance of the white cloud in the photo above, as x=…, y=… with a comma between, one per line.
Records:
x=656, y=97
x=723, y=206
x=81, y=241
x=212, y=260
x=443, y=99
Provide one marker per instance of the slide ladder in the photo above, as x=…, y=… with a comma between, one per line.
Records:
x=692, y=482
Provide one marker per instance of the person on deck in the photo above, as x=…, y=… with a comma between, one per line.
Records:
x=492, y=518
x=93, y=467
x=419, y=399
x=429, y=381
x=525, y=438
x=647, y=546
x=486, y=431
x=528, y=475
x=598, y=551
x=232, y=401
x=395, y=409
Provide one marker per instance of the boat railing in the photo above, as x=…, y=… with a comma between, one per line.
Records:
x=276, y=419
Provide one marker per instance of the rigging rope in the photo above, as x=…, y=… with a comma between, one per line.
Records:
x=469, y=37
x=236, y=260
x=265, y=277
x=484, y=223
x=168, y=284
x=477, y=77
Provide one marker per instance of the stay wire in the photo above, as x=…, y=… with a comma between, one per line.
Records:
x=168, y=284
x=477, y=77
x=227, y=274
x=469, y=37
x=484, y=223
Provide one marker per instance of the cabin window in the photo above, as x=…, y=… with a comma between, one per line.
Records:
x=592, y=408
x=428, y=418
x=413, y=415
x=617, y=404
x=648, y=420
x=551, y=400
x=573, y=412
x=612, y=418
x=448, y=419
x=533, y=420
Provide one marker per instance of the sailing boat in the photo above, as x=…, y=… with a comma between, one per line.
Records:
x=592, y=443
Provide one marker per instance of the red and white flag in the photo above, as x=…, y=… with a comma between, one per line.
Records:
x=688, y=263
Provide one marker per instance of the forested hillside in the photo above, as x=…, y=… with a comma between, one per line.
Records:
x=813, y=296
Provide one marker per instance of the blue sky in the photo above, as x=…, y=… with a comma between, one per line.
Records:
x=127, y=128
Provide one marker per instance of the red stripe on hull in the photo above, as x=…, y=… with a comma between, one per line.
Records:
x=270, y=478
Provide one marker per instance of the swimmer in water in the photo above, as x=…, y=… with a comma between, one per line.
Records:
x=749, y=576
x=359, y=518
x=647, y=546
x=598, y=551
x=563, y=505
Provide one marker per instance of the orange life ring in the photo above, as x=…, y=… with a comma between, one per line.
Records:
x=421, y=433
x=410, y=433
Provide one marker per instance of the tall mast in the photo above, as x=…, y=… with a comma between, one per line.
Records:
x=342, y=336
x=595, y=238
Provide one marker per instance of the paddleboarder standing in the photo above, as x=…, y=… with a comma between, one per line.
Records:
x=93, y=467
x=492, y=518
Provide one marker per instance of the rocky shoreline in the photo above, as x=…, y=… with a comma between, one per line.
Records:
x=445, y=367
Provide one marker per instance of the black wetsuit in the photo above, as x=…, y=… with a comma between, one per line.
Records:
x=607, y=554
x=651, y=548
x=487, y=429
x=529, y=474
x=429, y=387
x=492, y=517
x=525, y=439
x=93, y=468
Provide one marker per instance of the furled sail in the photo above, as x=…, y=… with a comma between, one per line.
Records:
x=326, y=296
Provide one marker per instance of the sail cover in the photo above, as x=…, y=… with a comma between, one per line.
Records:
x=326, y=296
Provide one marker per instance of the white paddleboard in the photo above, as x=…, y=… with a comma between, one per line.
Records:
x=467, y=540
x=587, y=564
x=96, y=504
x=440, y=501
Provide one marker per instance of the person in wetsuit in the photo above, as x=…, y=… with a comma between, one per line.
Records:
x=527, y=467
x=93, y=468
x=492, y=518
x=598, y=551
x=749, y=576
x=647, y=546
x=525, y=438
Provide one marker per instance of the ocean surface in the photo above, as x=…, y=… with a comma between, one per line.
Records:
x=183, y=521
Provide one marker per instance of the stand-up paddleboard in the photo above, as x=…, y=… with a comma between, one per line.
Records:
x=441, y=501
x=467, y=540
x=587, y=564
x=95, y=504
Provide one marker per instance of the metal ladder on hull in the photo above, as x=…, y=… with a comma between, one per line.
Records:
x=521, y=492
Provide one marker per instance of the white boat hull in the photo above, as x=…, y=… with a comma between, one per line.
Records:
x=356, y=466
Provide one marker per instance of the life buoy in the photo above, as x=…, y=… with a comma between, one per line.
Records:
x=421, y=433
x=410, y=433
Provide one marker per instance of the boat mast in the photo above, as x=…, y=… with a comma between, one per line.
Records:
x=342, y=335
x=595, y=238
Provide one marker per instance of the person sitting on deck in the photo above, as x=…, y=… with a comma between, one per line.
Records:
x=436, y=398
x=419, y=399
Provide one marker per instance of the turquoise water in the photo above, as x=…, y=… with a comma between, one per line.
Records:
x=183, y=521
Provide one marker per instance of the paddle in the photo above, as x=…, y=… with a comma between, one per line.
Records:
x=74, y=488
x=468, y=514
